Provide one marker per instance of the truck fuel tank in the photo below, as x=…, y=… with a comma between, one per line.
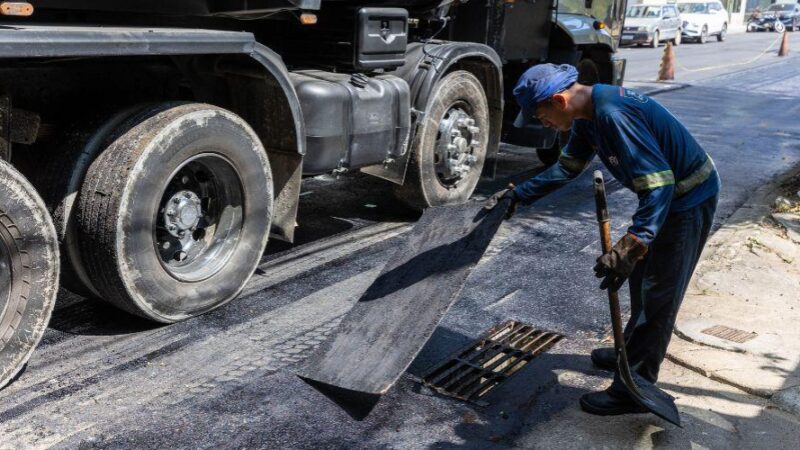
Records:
x=353, y=120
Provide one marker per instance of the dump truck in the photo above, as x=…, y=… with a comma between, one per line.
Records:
x=149, y=149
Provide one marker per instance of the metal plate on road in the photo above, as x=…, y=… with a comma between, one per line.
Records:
x=395, y=317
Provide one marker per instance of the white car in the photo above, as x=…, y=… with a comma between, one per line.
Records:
x=703, y=19
x=651, y=24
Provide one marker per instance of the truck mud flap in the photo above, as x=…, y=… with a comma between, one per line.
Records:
x=386, y=329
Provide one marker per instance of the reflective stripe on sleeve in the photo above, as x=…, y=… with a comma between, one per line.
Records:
x=695, y=179
x=653, y=180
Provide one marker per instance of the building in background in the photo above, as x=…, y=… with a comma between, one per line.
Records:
x=736, y=14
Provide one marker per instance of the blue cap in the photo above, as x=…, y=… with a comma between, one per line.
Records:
x=539, y=83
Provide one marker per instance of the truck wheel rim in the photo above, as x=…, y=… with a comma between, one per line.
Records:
x=5, y=274
x=456, y=145
x=200, y=218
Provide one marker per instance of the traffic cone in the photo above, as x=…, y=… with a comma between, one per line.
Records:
x=784, y=50
x=667, y=69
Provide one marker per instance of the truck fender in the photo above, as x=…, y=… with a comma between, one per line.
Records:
x=272, y=62
x=581, y=31
x=286, y=147
x=53, y=41
x=287, y=165
x=426, y=64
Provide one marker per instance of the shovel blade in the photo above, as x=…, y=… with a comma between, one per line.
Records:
x=648, y=396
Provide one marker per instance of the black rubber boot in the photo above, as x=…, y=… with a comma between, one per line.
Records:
x=604, y=358
x=609, y=403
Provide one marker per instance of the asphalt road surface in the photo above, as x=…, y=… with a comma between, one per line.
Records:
x=696, y=62
x=104, y=379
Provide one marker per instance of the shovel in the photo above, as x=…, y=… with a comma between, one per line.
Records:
x=644, y=393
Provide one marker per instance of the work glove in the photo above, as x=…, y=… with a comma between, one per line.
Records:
x=616, y=266
x=499, y=196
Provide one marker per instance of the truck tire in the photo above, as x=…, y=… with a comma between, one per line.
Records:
x=588, y=72
x=173, y=216
x=28, y=271
x=58, y=180
x=449, y=148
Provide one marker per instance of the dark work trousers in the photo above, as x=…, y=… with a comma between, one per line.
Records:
x=658, y=284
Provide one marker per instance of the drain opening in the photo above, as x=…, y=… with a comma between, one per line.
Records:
x=729, y=334
x=475, y=370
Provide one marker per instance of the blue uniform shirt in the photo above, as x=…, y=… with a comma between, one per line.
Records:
x=644, y=147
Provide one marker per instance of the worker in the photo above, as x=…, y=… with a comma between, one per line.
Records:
x=651, y=153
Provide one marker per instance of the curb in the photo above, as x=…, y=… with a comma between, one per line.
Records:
x=755, y=207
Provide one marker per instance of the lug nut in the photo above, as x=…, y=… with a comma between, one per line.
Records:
x=176, y=200
x=187, y=195
x=470, y=122
x=172, y=227
x=170, y=212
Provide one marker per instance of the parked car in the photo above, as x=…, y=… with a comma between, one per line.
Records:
x=703, y=19
x=777, y=17
x=651, y=24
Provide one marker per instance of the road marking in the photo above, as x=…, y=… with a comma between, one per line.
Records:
x=594, y=247
x=503, y=300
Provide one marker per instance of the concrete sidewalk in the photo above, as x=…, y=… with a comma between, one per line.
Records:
x=714, y=416
x=739, y=320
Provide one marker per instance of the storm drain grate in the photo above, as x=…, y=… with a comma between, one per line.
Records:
x=477, y=369
x=729, y=334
